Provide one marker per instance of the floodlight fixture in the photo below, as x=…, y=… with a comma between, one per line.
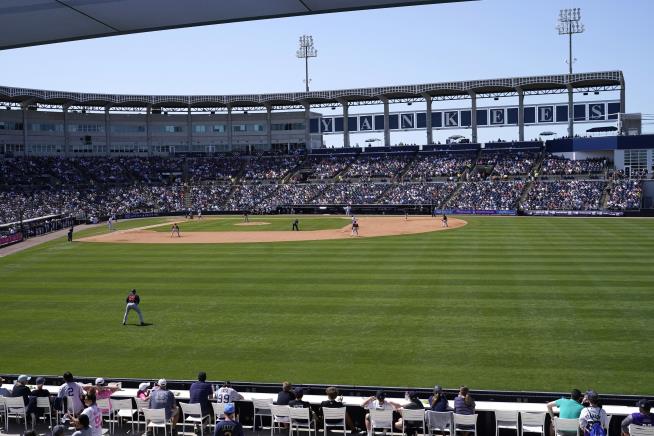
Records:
x=305, y=51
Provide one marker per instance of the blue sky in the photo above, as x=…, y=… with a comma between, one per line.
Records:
x=419, y=44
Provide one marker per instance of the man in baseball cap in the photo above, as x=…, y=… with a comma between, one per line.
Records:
x=642, y=417
x=3, y=391
x=162, y=398
x=229, y=426
x=20, y=388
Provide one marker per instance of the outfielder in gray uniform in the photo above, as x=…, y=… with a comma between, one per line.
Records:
x=133, y=301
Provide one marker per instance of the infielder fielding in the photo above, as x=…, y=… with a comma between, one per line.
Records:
x=133, y=301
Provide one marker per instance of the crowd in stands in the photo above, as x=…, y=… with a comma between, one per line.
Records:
x=565, y=195
x=625, y=194
x=438, y=165
x=99, y=186
x=488, y=195
x=555, y=165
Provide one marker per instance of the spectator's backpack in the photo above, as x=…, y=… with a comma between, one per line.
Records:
x=596, y=429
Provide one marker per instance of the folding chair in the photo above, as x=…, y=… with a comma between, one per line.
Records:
x=439, y=421
x=280, y=415
x=16, y=409
x=156, y=418
x=381, y=419
x=641, y=430
x=532, y=423
x=104, y=405
x=565, y=427
x=413, y=415
x=44, y=403
x=300, y=418
x=608, y=423
x=465, y=423
x=506, y=420
x=192, y=414
x=124, y=409
x=140, y=405
x=333, y=417
x=261, y=409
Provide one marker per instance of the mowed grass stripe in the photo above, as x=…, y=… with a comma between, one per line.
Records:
x=502, y=303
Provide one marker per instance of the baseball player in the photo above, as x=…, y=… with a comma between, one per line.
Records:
x=444, y=221
x=175, y=230
x=110, y=224
x=355, y=227
x=133, y=301
x=296, y=225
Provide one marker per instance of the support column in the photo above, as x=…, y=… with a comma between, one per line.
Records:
x=189, y=126
x=148, y=136
x=387, y=130
x=521, y=114
x=107, y=130
x=571, y=113
x=623, y=107
x=307, y=126
x=229, y=127
x=25, y=127
x=346, y=124
x=430, y=133
x=66, y=139
x=269, y=126
x=473, y=116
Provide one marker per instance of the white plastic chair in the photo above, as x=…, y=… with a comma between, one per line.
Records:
x=140, y=405
x=124, y=409
x=16, y=409
x=439, y=421
x=218, y=411
x=300, y=418
x=413, y=415
x=44, y=403
x=104, y=405
x=192, y=414
x=641, y=430
x=608, y=423
x=280, y=415
x=3, y=414
x=532, y=423
x=506, y=420
x=261, y=409
x=565, y=427
x=382, y=419
x=156, y=418
x=465, y=423
x=335, y=416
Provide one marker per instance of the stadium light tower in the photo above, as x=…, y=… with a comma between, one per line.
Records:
x=569, y=24
x=306, y=51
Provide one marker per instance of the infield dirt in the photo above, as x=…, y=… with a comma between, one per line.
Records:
x=368, y=227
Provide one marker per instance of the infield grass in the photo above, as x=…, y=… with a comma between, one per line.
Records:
x=502, y=303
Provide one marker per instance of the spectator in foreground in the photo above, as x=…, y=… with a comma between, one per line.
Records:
x=378, y=402
x=438, y=400
x=413, y=404
x=81, y=426
x=228, y=426
x=463, y=403
x=593, y=413
x=162, y=398
x=569, y=408
x=286, y=395
x=333, y=402
x=20, y=388
x=642, y=417
x=144, y=391
x=4, y=392
x=72, y=392
x=227, y=394
x=60, y=430
x=200, y=392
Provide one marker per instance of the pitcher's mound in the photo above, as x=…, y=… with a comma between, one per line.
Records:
x=369, y=226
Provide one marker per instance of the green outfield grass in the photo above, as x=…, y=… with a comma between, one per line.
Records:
x=234, y=224
x=502, y=303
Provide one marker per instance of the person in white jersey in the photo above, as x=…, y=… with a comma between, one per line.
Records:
x=71, y=392
x=226, y=394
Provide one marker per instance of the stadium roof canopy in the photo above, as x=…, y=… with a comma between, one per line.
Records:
x=25, y=23
x=531, y=85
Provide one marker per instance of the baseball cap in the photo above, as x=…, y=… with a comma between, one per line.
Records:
x=412, y=394
x=40, y=380
x=143, y=386
x=592, y=395
x=2, y=380
x=100, y=381
x=162, y=382
x=438, y=388
x=380, y=395
x=299, y=392
x=229, y=408
x=23, y=378
x=644, y=403
x=58, y=430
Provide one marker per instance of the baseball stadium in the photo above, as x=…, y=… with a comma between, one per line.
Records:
x=247, y=244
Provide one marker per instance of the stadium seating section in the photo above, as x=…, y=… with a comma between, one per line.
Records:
x=489, y=179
